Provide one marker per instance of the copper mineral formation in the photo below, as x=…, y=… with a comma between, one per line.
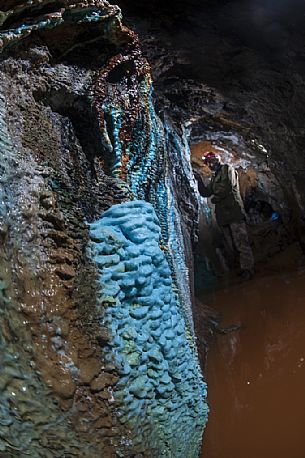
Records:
x=98, y=212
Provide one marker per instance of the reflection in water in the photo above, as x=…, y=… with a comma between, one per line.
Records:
x=256, y=376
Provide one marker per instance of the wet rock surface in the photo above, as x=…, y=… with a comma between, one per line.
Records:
x=52, y=181
x=79, y=134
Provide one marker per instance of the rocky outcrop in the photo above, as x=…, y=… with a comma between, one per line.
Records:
x=80, y=136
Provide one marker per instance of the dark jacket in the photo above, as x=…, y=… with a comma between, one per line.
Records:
x=224, y=187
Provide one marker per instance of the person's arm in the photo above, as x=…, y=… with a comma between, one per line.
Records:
x=204, y=190
x=226, y=184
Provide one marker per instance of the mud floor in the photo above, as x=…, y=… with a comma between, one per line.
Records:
x=256, y=375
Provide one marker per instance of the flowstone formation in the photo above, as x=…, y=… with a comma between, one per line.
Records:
x=160, y=393
x=96, y=193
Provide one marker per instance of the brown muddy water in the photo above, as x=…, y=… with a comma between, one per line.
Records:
x=256, y=376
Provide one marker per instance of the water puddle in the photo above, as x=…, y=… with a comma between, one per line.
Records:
x=256, y=376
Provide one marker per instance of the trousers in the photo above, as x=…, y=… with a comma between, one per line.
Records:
x=236, y=238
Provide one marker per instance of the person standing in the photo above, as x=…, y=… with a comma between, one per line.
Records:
x=229, y=209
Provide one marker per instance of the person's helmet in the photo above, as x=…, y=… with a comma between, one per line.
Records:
x=209, y=157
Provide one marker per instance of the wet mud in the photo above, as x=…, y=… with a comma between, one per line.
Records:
x=256, y=375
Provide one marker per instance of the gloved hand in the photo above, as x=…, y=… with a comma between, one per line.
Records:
x=197, y=174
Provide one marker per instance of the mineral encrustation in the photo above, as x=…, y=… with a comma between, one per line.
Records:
x=98, y=354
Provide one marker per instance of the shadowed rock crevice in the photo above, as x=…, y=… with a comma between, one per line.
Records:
x=30, y=13
x=80, y=115
x=86, y=49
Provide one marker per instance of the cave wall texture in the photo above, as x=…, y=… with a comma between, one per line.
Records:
x=98, y=217
x=99, y=209
x=233, y=70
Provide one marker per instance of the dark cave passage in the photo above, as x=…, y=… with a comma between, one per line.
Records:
x=256, y=372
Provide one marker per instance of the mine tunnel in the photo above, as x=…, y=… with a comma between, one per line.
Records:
x=253, y=344
x=152, y=229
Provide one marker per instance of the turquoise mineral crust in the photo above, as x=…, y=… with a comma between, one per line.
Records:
x=161, y=396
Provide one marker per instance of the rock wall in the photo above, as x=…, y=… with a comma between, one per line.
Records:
x=80, y=143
